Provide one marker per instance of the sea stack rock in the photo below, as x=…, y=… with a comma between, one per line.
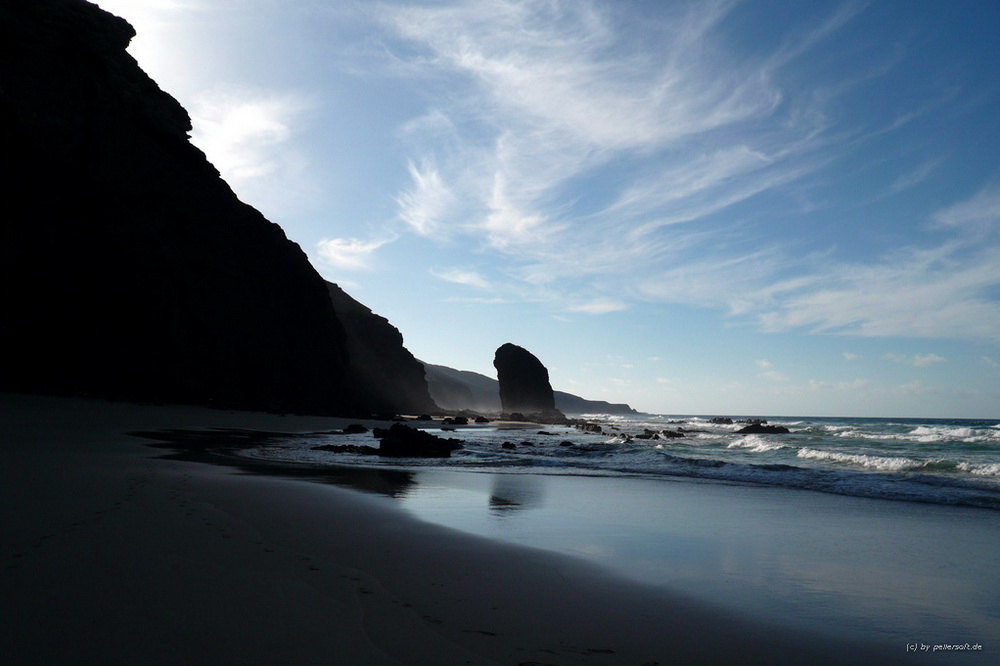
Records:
x=524, y=382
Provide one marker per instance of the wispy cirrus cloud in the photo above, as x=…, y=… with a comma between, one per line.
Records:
x=914, y=177
x=916, y=360
x=427, y=202
x=935, y=291
x=468, y=278
x=978, y=214
x=349, y=253
x=599, y=306
x=546, y=94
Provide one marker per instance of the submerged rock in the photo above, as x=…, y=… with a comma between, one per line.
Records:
x=355, y=429
x=760, y=429
x=590, y=427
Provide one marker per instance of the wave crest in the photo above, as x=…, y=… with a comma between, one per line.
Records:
x=755, y=444
x=882, y=463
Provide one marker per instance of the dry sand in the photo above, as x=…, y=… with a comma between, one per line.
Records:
x=112, y=554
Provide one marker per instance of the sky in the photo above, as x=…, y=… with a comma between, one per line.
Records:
x=741, y=208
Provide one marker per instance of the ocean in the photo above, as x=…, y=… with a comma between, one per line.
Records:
x=938, y=461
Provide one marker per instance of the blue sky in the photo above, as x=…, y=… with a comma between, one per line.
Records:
x=695, y=207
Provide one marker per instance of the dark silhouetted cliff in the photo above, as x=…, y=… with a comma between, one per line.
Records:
x=386, y=376
x=129, y=267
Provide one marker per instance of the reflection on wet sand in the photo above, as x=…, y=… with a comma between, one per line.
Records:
x=515, y=492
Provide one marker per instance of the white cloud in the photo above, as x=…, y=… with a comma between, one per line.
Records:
x=913, y=178
x=917, y=360
x=599, y=306
x=769, y=371
x=426, y=204
x=851, y=386
x=851, y=356
x=980, y=213
x=495, y=300
x=464, y=277
x=507, y=224
x=349, y=253
x=924, y=360
x=990, y=363
x=243, y=131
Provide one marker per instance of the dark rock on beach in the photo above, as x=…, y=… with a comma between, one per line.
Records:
x=400, y=441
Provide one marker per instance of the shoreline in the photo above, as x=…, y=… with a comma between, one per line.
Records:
x=114, y=555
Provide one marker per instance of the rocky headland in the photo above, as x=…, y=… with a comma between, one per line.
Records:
x=130, y=268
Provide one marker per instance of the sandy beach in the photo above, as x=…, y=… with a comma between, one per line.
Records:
x=115, y=554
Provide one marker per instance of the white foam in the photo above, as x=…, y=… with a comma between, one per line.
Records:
x=937, y=433
x=882, y=463
x=755, y=444
x=838, y=428
x=945, y=433
x=925, y=435
x=991, y=469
